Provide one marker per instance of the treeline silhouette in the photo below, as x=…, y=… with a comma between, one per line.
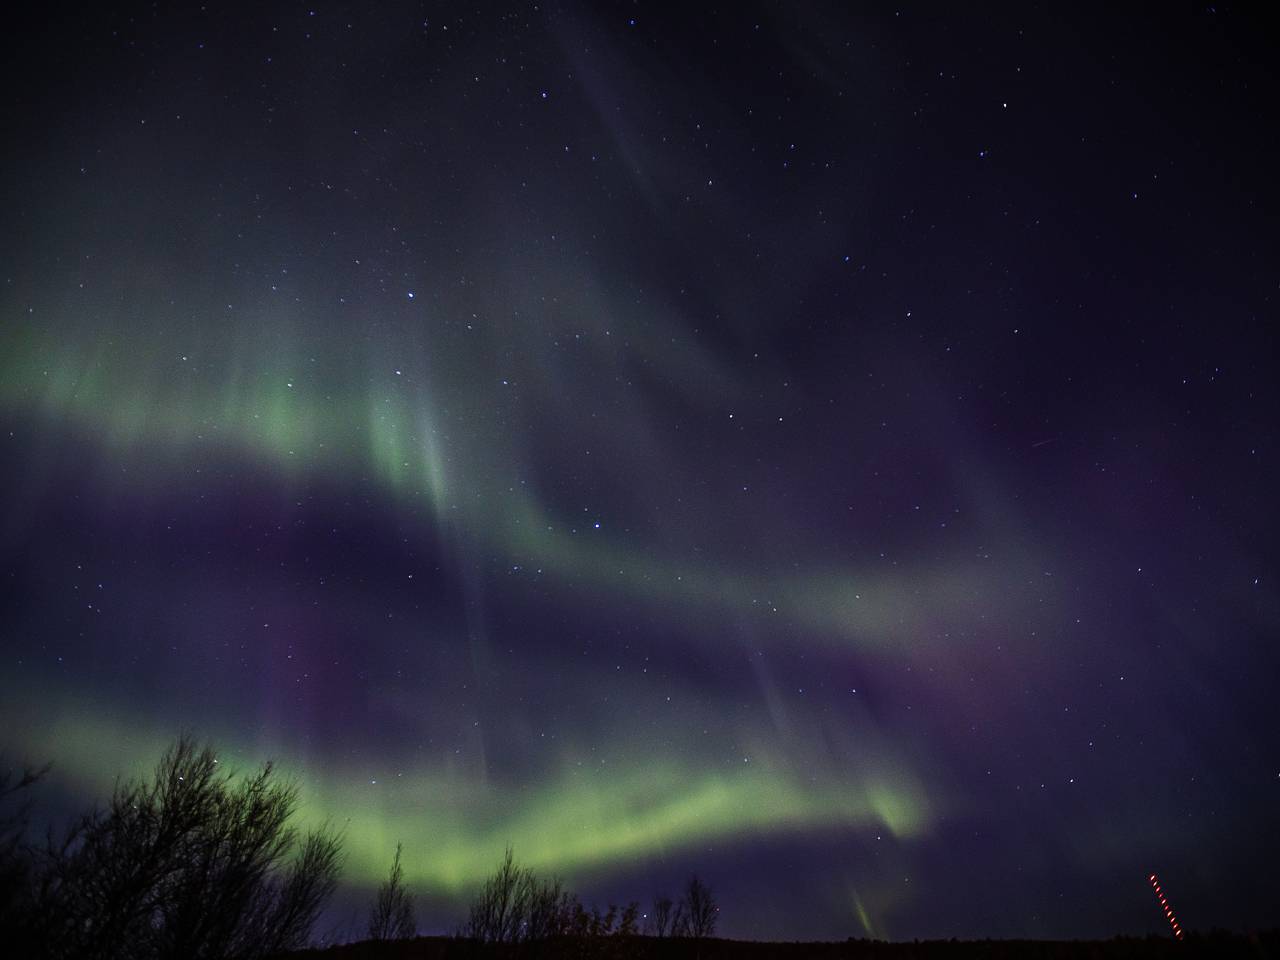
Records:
x=517, y=906
x=198, y=862
x=1214, y=946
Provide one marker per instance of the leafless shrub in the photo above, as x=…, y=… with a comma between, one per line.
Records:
x=515, y=906
x=391, y=917
x=190, y=863
x=498, y=912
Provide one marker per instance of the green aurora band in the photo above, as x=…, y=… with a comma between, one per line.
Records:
x=432, y=430
x=581, y=821
x=461, y=460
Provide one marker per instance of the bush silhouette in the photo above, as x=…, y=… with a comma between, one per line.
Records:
x=191, y=863
x=515, y=906
x=391, y=917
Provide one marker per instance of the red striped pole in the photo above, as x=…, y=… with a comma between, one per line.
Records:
x=1164, y=905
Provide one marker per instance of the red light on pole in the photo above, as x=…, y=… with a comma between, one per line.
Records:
x=1168, y=910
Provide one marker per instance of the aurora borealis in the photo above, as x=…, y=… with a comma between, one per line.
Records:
x=833, y=451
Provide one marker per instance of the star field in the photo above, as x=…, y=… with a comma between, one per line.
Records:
x=833, y=451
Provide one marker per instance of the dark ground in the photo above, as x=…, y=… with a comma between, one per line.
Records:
x=1260, y=945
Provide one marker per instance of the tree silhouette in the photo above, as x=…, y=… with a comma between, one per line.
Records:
x=661, y=916
x=391, y=917
x=679, y=921
x=629, y=920
x=499, y=913
x=698, y=911
x=191, y=863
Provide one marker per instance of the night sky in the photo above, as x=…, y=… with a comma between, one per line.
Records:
x=833, y=450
